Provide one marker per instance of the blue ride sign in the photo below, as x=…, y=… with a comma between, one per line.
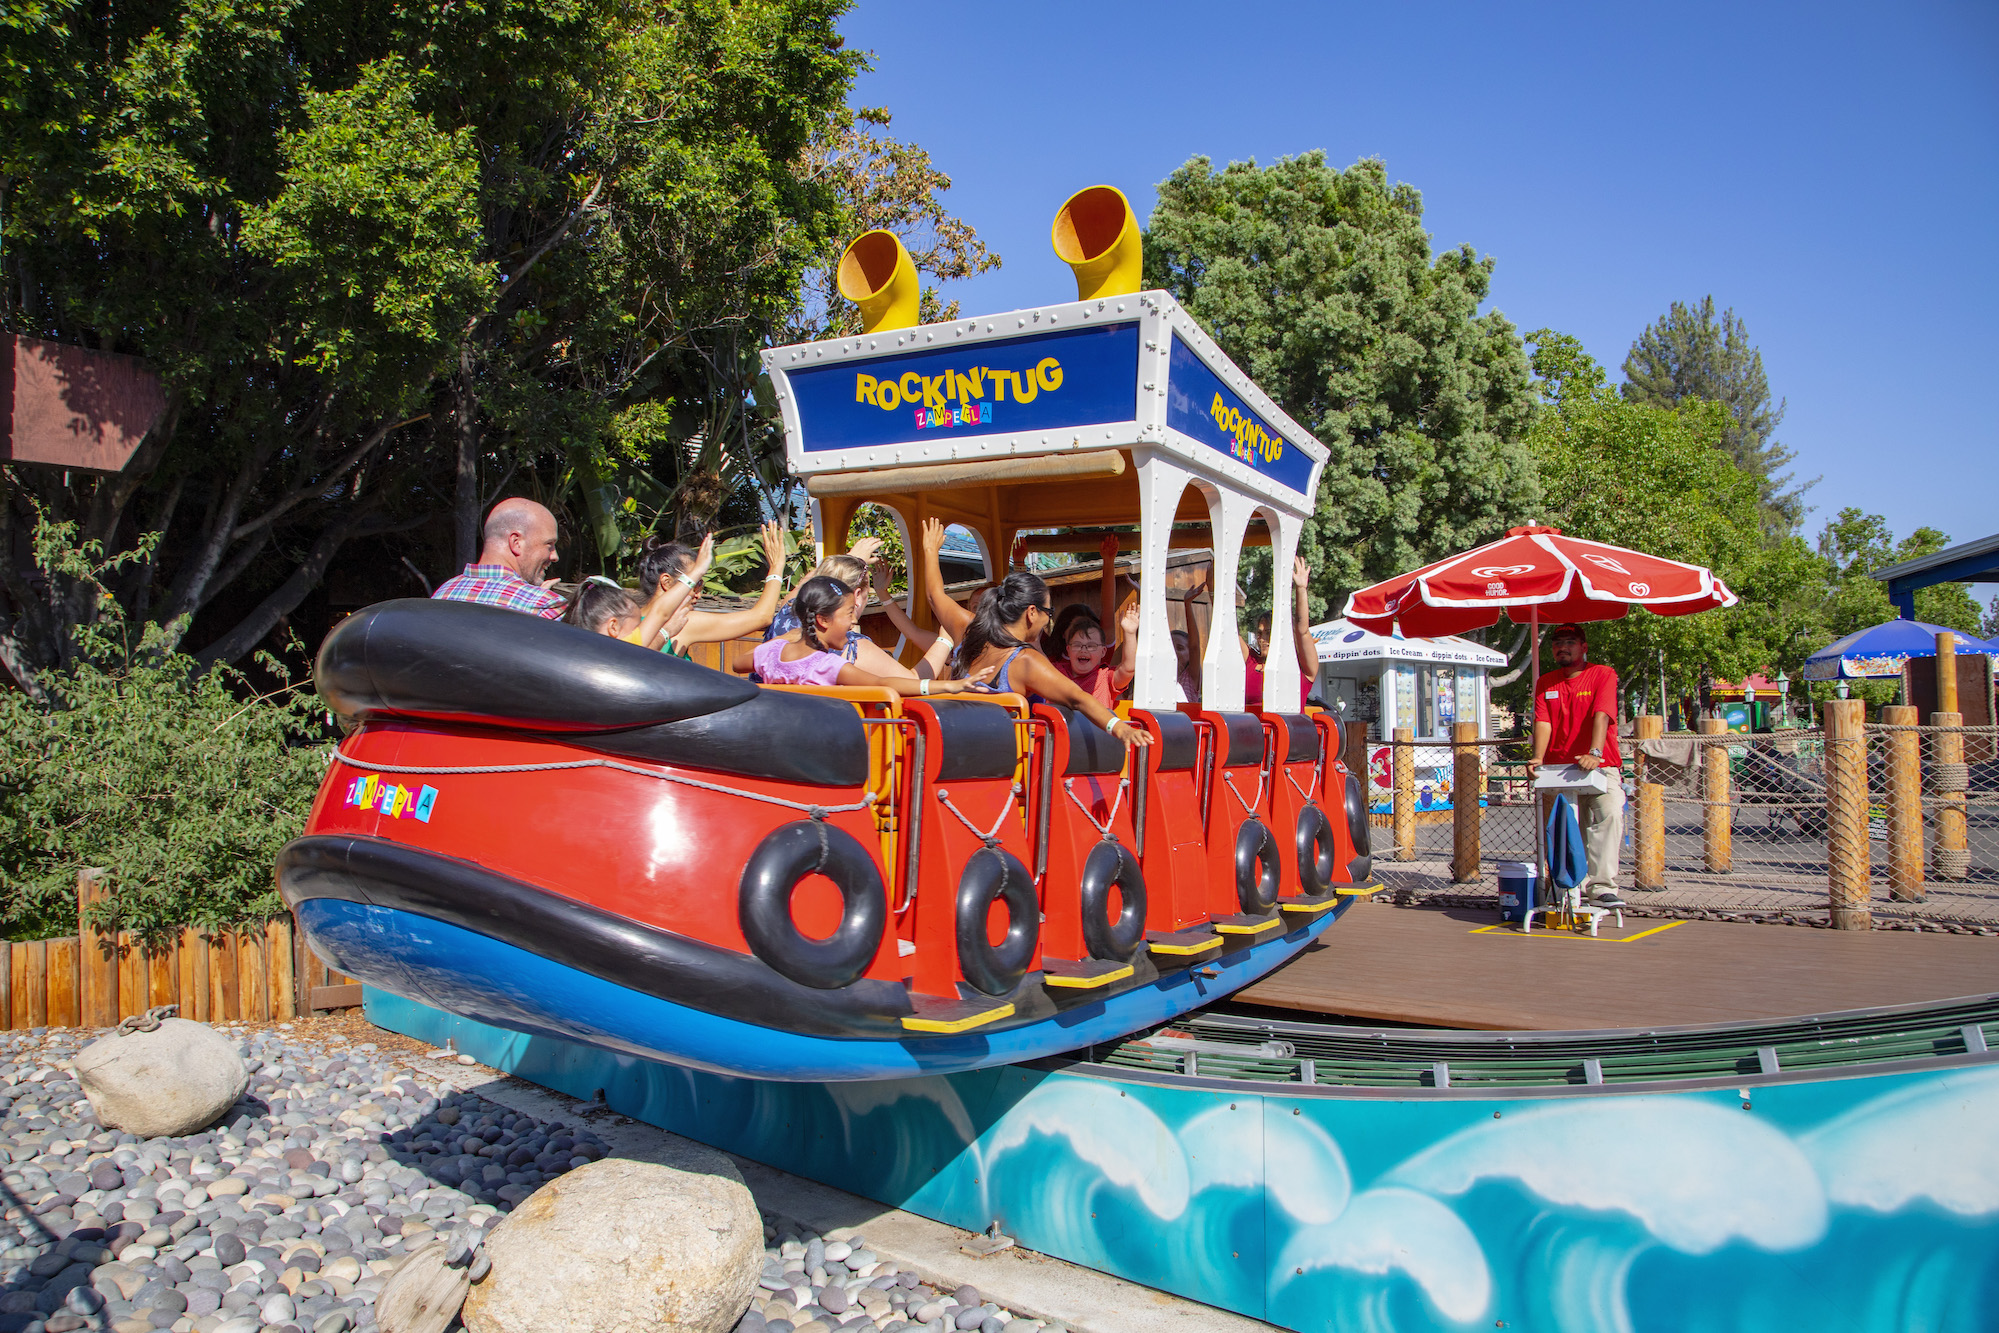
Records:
x=1201, y=407
x=1041, y=382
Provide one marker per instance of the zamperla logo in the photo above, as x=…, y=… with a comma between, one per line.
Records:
x=1502, y=571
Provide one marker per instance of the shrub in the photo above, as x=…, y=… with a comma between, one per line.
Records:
x=180, y=782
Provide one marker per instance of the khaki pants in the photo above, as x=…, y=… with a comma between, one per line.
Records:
x=1602, y=818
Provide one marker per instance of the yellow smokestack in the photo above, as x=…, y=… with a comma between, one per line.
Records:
x=876, y=274
x=1096, y=234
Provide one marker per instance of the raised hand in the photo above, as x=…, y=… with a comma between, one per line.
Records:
x=704, y=557
x=1127, y=621
x=878, y=581
x=773, y=539
x=1301, y=573
x=866, y=549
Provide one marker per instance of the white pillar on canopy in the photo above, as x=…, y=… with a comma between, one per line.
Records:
x=1160, y=485
x=1222, y=676
x=1280, y=664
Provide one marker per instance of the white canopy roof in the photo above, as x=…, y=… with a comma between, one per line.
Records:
x=1341, y=641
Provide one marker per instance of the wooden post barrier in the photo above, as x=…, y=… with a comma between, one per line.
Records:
x=1951, y=859
x=1402, y=759
x=99, y=957
x=1465, y=811
x=1648, y=834
x=1717, y=813
x=1846, y=847
x=1905, y=805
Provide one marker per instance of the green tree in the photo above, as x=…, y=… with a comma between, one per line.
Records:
x=1657, y=479
x=1690, y=352
x=393, y=261
x=1853, y=545
x=1321, y=284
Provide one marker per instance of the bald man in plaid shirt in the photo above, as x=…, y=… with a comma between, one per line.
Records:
x=517, y=545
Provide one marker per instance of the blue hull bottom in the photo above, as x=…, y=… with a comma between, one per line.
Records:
x=463, y=972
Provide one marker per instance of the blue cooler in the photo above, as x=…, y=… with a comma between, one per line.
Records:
x=1516, y=890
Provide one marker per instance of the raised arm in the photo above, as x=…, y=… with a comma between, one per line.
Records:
x=1126, y=666
x=1034, y=674
x=950, y=616
x=719, y=626
x=669, y=606
x=907, y=628
x=1301, y=621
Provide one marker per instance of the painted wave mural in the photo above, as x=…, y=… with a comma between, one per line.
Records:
x=1864, y=1203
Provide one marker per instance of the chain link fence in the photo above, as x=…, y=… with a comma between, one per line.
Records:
x=1898, y=821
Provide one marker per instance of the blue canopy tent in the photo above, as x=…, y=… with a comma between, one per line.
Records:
x=1879, y=651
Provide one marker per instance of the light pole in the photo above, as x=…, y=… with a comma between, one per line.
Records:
x=1783, y=696
x=1749, y=702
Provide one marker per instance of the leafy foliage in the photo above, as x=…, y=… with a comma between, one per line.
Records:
x=392, y=261
x=1654, y=479
x=1321, y=285
x=135, y=761
x=1691, y=353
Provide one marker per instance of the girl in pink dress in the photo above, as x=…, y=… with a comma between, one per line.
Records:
x=826, y=611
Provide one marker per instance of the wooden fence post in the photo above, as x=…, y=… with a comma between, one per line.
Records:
x=1717, y=814
x=1648, y=844
x=64, y=1000
x=97, y=957
x=1846, y=847
x=1465, y=805
x=1905, y=805
x=1949, y=776
x=278, y=962
x=1402, y=760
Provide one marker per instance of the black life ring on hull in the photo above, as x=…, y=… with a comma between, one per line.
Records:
x=996, y=876
x=1362, y=864
x=763, y=904
x=1316, y=852
x=1256, y=869
x=1109, y=865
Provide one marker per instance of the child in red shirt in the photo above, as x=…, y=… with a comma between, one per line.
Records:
x=1083, y=656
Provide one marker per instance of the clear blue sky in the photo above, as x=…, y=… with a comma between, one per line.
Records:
x=1828, y=170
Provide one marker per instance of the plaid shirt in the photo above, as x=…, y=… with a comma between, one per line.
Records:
x=496, y=585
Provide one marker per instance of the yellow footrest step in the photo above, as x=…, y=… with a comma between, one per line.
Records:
x=1183, y=943
x=935, y=1014
x=1358, y=890
x=1082, y=974
x=1245, y=924
x=1308, y=906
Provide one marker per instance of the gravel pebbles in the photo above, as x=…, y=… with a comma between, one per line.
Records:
x=290, y=1214
x=287, y=1216
x=813, y=1285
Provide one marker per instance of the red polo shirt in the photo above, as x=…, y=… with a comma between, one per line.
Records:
x=1567, y=702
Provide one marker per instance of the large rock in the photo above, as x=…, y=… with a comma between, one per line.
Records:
x=625, y=1247
x=176, y=1079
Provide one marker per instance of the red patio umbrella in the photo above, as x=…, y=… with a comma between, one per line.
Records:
x=1554, y=577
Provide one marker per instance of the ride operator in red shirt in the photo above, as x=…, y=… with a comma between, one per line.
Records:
x=1575, y=722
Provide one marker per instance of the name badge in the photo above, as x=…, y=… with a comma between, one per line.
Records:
x=1552, y=694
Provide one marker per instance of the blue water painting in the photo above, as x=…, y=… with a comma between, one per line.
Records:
x=1865, y=1202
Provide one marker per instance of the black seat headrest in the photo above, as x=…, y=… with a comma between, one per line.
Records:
x=457, y=662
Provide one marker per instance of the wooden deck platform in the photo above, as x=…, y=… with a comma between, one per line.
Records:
x=1460, y=969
